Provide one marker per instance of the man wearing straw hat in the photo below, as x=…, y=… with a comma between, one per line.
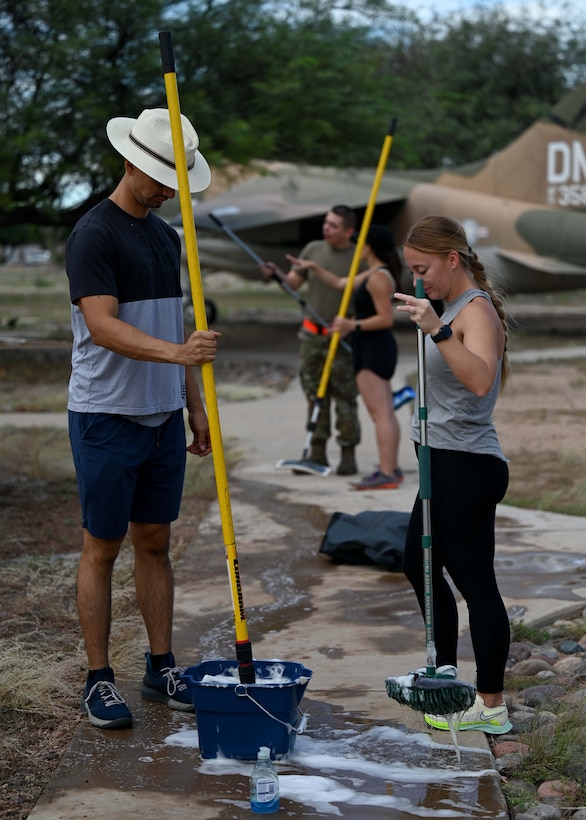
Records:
x=131, y=379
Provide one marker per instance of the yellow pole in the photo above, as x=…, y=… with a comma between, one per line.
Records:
x=347, y=294
x=243, y=646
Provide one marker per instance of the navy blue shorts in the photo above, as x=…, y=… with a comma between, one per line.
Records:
x=126, y=471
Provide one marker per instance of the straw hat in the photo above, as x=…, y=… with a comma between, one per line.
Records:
x=147, y=142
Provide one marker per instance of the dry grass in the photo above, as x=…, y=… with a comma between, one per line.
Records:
x=52, y=694
x=40, y=640
x=40, y=617
x=42, y=657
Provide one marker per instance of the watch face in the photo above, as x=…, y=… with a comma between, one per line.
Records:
x=444, y=333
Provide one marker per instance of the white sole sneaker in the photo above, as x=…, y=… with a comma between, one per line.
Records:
x=491, y=720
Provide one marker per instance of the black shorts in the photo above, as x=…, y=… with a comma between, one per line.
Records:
x=375, y=350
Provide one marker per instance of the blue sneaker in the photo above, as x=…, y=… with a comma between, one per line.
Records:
x=104, y=705
x=167, y=686
x=402, y=396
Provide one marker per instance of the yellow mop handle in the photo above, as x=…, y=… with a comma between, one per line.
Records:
x=347, y=294
x=243, y=649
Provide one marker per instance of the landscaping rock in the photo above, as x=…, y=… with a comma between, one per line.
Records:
x=546, y=653
x=506, y=747
x=570, y=666
x=560, y=629
x=558, y=791
x=538, y=695
x=578, y=697
x=509, y=764
x=524, y=722
x=540, y=812
x=569, y=647
x=545, y=674
x=531, y=667
x=519, y=651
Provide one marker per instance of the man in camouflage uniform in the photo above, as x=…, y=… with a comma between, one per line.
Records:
x=334, y=252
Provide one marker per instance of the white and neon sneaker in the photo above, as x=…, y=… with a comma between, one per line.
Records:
x=492, y=720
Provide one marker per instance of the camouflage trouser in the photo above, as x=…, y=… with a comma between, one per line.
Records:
x=341, y=388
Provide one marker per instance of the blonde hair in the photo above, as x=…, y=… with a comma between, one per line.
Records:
x=439, y=235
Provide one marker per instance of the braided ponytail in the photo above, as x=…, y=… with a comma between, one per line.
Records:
x=479, y=273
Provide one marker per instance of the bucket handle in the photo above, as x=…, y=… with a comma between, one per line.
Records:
x=242, y=692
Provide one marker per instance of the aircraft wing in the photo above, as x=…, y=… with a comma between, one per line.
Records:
x=530, y=272
x=291, y=193
x=253, y=211
x=543, y=264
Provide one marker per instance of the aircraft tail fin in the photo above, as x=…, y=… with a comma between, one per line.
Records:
x=570, y=112
x=545, y=166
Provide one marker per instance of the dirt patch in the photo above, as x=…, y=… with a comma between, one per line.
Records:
x=540, y=421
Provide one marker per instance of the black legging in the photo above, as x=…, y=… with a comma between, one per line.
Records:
x=465, y=489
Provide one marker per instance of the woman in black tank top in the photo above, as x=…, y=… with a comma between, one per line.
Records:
x=374, y=346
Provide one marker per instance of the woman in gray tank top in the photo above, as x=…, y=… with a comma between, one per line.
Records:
x=466, y=367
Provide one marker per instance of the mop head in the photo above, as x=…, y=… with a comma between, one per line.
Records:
x=431, y=695
x=303, y=467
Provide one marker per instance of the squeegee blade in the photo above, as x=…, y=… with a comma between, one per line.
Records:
x=303, y=467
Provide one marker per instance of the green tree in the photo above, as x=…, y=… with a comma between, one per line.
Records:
x=304, y=87
x=65, y=66
x=256, y=82
x=472, y=84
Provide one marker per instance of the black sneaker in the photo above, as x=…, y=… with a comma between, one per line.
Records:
x=104, y=705
x=167, y=686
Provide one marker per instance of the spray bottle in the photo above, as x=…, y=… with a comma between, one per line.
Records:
x=264, y=784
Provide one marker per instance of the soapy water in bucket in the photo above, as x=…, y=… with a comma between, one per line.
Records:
x=275, y=675
x=235, y=718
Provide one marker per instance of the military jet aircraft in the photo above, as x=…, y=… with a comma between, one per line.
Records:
x=524, y=208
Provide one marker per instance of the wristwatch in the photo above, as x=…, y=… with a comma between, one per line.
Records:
x=357, y=326
x=444, y=332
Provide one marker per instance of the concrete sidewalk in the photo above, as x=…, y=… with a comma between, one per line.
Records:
x=352, y=625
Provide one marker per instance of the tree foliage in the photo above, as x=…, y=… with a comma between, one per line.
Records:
x=65, y=66
x=316, y=82
x=479, y=80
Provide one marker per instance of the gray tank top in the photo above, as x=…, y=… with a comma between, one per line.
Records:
x=456, y=418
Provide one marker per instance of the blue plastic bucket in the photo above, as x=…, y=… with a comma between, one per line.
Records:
x=234, y=719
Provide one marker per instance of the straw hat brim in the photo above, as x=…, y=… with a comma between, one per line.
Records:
x=118, y=131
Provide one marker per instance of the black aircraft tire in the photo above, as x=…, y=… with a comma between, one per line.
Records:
x=211, y=312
